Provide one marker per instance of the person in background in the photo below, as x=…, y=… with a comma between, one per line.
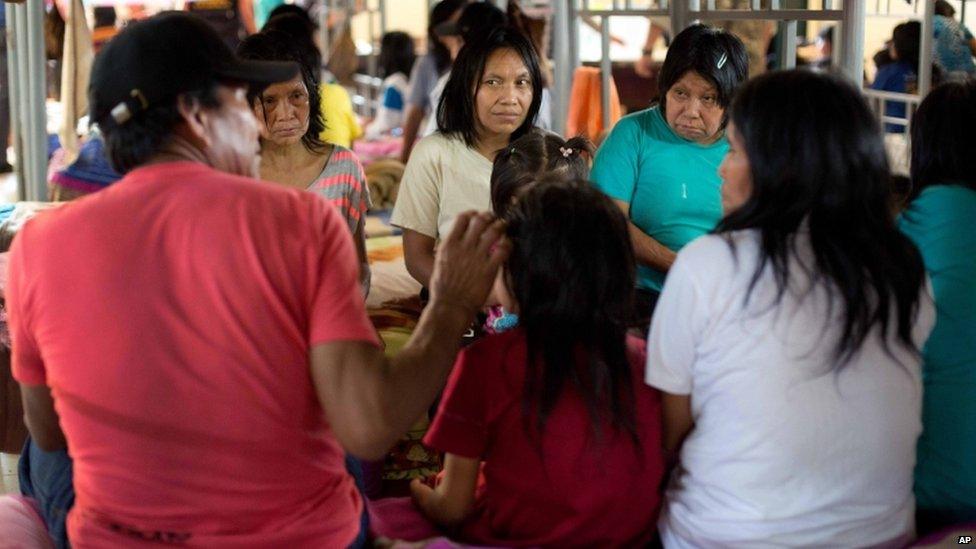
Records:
x=660, y=165
x=292, y=154
x=939, y=221
x=532, y=408
x=258, y=368
x=395, y=63
x=786, y=344
x=901, y=74
x=491, y=99
x=441, y=51
x=955, y=45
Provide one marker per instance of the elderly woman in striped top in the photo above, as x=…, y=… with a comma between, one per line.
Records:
x=291, y=152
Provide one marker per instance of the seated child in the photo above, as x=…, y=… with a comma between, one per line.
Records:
x=553, y=413
x=519, y=165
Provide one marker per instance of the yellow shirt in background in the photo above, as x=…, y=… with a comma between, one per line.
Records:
x=341, y=125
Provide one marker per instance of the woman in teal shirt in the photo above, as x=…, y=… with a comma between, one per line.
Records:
x=660, y=165
x=940, y=222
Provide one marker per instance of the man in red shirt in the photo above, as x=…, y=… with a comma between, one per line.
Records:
x=196, y=338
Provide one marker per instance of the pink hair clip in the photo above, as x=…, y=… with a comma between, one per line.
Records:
x=566, y=151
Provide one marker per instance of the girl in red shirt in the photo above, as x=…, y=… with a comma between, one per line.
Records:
x=553, y=413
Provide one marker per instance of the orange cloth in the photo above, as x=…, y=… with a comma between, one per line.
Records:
x=585, y=116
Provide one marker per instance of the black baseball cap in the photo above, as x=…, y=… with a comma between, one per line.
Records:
x=154, y=60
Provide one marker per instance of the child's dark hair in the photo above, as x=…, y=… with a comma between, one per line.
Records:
x=532, y=156
x=571, y=270
x=396, y=54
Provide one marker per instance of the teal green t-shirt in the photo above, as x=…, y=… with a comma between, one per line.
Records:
x=671, y=183
x=940, y=222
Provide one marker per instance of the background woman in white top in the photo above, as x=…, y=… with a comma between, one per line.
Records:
x=787, y=344
x=491, y=99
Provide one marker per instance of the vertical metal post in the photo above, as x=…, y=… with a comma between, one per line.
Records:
x=36, y=183
x=373, y=41
x=14, y=82
x=23, y=107
x=605, y=70
x=324, y=37
x=925, y=51
x=562, y=64
x=786, y=52
x=383, y=21
x=852, y=41
x=574, y=42
x=679, y=16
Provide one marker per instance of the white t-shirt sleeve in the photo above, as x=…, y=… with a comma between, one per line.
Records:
x=679, y=321
x=418, y=202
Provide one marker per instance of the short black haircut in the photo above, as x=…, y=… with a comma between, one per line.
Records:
x=396, y=54
x=441, y=12
x=456, y=112
x=943, y=143
x=133, y=143
x=273, y=45
x=714, y=54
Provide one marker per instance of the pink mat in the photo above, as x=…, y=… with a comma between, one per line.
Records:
x=21, y=524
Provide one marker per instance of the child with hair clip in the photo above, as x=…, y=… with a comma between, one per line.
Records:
x=534, y=155
x=551, y=437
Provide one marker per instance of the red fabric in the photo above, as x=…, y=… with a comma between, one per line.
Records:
x=578, y=491
x=172, y=314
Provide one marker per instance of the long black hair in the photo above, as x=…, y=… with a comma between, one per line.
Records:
x=457, y=112
x=532, y=156
x=818, y=164
x=440, y=13
x=273, y=45
x=571, y=270
x=943, y=144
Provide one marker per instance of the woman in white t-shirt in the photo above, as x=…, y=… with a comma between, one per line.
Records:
x=787, y=343
x=491, y=98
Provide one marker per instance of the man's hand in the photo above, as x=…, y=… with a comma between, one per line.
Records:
x=468, y=260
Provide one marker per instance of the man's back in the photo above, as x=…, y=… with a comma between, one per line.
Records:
x=171, y=315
